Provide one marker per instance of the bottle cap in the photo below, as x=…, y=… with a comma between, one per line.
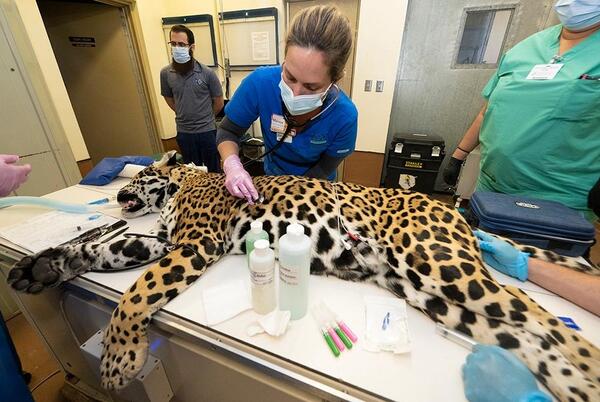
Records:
x=256, y=226
x=295, y=229
x=261, y=244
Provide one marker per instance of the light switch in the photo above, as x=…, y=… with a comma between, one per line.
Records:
x=379, y=86
x=368, y=85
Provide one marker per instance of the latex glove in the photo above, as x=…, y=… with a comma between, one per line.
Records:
x=452, y=171
x=11, y=175
x=502, y=256
x=492, y=374
x=238, y=180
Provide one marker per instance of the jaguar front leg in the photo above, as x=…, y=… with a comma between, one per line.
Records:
x=52, y=266
x=125, y=338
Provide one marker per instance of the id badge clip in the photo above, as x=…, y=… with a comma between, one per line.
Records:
x=278, y=124
x=544, y=71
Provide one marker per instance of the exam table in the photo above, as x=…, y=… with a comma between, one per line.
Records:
x=223, y=363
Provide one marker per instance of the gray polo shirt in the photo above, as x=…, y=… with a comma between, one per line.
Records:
x=193, y=94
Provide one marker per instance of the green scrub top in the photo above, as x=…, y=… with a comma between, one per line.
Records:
x=541, y=138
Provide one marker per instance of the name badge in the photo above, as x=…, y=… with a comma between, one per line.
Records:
x=289, y=138
x=544, y=71
x=278, y=124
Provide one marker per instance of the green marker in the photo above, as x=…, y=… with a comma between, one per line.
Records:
x=343, y=337
x=332, y=346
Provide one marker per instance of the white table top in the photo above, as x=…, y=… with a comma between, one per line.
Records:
x=431, y=371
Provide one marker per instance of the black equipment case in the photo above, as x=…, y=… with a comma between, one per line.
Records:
x=414, y=162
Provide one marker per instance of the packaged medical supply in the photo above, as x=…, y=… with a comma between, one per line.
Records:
x=387, y=325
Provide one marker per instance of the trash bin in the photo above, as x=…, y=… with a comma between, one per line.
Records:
x=414, y=162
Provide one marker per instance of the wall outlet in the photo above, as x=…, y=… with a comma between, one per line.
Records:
x=379, y=86
x=368, y=85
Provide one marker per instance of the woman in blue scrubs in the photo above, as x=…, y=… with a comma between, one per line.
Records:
x=308, y=124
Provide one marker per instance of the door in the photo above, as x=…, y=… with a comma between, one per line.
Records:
x=450, y=51
x=23, y=131
x=93, y=52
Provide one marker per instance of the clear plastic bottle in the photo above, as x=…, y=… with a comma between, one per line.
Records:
x=294, y=271
x=262, y=275
x=255, y=233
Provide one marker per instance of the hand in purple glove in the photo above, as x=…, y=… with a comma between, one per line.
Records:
x=11, y=175
x=237, y=180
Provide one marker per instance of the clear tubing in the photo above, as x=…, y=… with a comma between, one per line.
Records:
x=48, y=203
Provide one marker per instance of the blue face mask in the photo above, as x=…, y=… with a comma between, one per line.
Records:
x=300, y=104
x=578, y=15
x=181, y=55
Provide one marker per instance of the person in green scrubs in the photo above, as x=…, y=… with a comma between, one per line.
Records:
x=540, y=127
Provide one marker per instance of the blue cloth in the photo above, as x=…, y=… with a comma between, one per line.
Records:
x=200, y=149
x=108, y=168
x=333, y=133
x=12, y=384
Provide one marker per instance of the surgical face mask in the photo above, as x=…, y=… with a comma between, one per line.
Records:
x=300, y=104
x=578, y=15
x=181, y=55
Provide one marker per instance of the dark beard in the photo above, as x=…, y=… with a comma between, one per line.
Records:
x=185, y=68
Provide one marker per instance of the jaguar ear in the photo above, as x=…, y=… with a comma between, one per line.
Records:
x=168, y=159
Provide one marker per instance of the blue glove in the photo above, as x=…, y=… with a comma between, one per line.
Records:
x=492, y=374
x=502, y=256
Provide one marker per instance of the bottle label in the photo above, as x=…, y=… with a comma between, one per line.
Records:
x=289, y=275
x=261, y=278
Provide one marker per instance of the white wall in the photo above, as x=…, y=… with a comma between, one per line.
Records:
x=380, y=30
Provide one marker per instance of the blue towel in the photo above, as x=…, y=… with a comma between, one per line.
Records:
x=108, y=168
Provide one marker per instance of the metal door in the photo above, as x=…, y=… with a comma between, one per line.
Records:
x=92, y=48
x=434, y=92
x=23, y=131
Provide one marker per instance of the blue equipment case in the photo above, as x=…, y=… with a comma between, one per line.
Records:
x=545, y=224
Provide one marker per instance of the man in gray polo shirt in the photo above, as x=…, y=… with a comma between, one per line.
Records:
x=194, y=93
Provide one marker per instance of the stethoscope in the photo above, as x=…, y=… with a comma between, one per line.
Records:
x=292, y=124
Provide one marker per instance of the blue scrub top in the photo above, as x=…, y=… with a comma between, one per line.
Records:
x=332, y=133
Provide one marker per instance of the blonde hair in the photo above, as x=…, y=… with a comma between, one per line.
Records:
x=323, y=28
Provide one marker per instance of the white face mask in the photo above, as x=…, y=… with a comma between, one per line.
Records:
x=181, y=55
x=300, y=104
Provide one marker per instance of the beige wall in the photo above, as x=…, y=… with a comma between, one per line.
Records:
x=40, y=44
x=380, y=30
x=150, y=14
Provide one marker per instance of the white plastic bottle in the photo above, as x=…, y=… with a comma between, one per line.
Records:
x=262, y=275
x=294, y=271
x=255, y=233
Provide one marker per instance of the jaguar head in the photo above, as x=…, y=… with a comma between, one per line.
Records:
x=150, y=189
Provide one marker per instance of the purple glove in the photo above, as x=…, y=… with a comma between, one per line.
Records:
x=237, y=180
x=11, y=175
